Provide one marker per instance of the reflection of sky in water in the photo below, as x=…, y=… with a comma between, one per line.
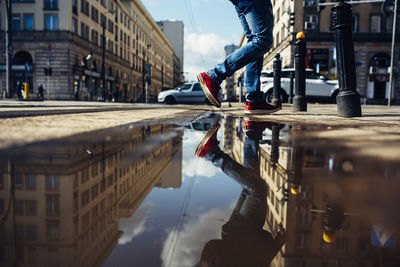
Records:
x=171, y=227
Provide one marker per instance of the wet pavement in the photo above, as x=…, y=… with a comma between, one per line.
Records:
x=257, y=193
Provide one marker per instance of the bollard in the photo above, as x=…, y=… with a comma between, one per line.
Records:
x=348, y=99
x=291, y=87
x=26, y=90
x=276, y=100
x=296, y=161
x=299, y=100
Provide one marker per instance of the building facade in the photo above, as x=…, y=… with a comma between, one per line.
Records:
x=67, y=201
x=174, y=30
x=372, y=33
x=65, y=39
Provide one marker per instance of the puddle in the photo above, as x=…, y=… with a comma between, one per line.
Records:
x=256, y=194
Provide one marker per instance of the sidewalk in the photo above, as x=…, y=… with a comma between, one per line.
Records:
x=376, y=133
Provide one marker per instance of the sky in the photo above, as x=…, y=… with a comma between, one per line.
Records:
x=209, y=26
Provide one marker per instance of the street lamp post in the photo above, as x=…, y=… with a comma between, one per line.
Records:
x=9, y=48
x=103, y=58
x=90, y=58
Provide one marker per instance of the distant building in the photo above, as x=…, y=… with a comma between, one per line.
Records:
x=228, y=86
x=65, y=33
x=174, y=30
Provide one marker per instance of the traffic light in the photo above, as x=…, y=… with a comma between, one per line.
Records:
x=286, y=195
x=291, y=18
x=48, y=71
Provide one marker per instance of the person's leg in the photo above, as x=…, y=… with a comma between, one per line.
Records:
x=259, y=20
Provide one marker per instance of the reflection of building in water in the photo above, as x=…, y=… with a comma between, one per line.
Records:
x=227, y=131
x=288, y=166
x=68, y=199
x=172, y=176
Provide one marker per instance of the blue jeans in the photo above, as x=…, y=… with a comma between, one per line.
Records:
x=250, y=211
x=257, y=21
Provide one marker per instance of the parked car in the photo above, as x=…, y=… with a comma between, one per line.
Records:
x=318, y=87
x=186, y=93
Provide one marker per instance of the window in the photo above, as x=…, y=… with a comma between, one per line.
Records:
x=104, y=3
x=52, y=205
x=50, y=4
x=52, y=183
x=95, y=14
x=19, y=207
x=31, y=232
x=53, y=230
x=30, y=207
x=16, y=22
x=375, y=23
x=51, y=22
x=30, y=182
x=18, y=182
x=310, y=22
x=75, y=25
x=85, y=198
x=355, y=22
x=28, y=22
x=85, y=7
x=75, y=7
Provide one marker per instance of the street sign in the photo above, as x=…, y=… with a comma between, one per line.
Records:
x=381, y=237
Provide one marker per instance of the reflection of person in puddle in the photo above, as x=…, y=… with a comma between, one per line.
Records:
x=244, y=241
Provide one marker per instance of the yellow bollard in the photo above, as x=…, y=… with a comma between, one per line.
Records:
x=26, y=90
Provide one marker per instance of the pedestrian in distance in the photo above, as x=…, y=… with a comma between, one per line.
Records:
x=19, y=90
x=257, y=21
x=41, y=92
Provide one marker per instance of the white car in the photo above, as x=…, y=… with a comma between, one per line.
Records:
x=318, y=87
x=186, y=93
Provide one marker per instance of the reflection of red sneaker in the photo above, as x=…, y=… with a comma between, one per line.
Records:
x=209, y=142
x=210, y=88
x=260, y=108
x=251, y=124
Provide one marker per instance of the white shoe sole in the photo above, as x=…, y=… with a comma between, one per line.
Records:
x=209, y=96
x=260, y=111
x=209, y=133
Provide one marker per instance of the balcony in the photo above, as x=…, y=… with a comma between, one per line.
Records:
x=50, y=5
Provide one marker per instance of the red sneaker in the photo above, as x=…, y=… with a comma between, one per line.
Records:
x=260, y=108
x=209, y=142
x=210, y=88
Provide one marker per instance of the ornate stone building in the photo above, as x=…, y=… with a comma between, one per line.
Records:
x=66, y=37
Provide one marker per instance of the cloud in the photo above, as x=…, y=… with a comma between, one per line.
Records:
x=202, y=52
x=194, y=235
x=134, y=226
x=199, y=167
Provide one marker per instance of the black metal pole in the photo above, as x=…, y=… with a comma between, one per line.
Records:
x=348, y=99
x=299, y=100
x=276, y=100
x=103, y=67
x=10, y=49
x=291, y=87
